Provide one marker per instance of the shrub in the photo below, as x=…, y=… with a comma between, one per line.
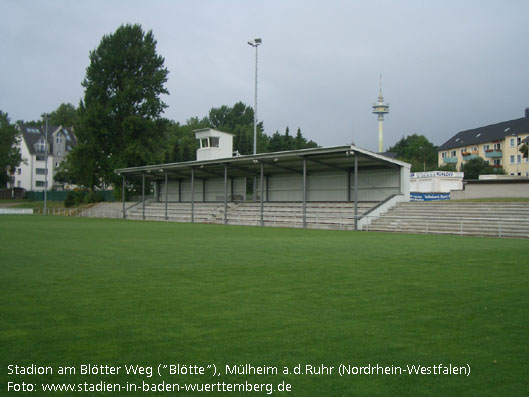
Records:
x=74, y=197
x=93, y=197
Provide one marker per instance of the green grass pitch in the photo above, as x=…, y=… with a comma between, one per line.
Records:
x=93, y=291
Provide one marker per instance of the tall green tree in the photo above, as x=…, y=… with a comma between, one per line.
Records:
x=10, y=156
x=120, y=123
x=300, y=142
x=65, y=115
x=238, y=120
x=417, y=150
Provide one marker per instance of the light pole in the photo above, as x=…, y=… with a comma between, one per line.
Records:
x=45, y=116
x=255, y=43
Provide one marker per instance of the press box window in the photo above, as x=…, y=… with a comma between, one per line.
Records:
x=214, y=140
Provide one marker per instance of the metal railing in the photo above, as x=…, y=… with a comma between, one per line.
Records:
x=477, y=226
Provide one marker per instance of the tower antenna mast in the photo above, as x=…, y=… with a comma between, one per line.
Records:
x=380, y=108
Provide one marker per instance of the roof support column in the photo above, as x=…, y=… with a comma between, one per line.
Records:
x=192, y=195
x=123, y=195
x=179, y=190
x=254, y=189
x=143, y=195
x=225, y=194
x=356, y=191
x=262, y=195
x=166, y=195
x=304, y=192
x=348, y=185
x=231, y=188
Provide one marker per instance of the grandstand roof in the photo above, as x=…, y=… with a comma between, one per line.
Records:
x=318, y=159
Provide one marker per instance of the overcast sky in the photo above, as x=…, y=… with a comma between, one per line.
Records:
x=446, y=65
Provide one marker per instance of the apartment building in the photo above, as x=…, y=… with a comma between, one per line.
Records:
x=31, y=173
x=499, y=144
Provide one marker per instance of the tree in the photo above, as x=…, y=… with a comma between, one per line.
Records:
x=447, y=167
x=65, y=115
x=276, y=143
x=300, y=142
x=524, y=149
x=238, y=120
x=10, y=156
x=417, y=150
x=476, y=167
x=120, y=122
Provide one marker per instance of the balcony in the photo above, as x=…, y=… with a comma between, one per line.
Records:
x=491, y=154
x=469, y=156
x=450, y=160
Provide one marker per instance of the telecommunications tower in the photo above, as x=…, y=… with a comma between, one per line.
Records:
x=380, y=108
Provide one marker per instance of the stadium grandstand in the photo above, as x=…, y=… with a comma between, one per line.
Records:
x=333, y=187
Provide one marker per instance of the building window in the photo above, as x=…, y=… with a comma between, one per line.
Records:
x=511, y=142
x=40, y=157
x=41, y=171
x=19, y=184
x=39, y=183
x=41, y=147
x=57, y=164
x=497, y=146
x=519, y=158
x=453, y=154
x=486, y=147
x=519, y=140
x=497, y=162
x=58, y=139
x=19, y=171
x=512, y=159
x=443, y=155
x=214, y=140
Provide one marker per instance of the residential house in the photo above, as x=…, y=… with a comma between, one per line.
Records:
x=31, y=173
x=499, y=144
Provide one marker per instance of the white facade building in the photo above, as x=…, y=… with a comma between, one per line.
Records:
x=31, y=173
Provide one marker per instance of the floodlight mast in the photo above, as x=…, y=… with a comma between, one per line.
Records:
x=45, y=209
x=255, y=43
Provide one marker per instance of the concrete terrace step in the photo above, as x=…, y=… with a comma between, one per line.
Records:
x=478, y=219
x=321, y=215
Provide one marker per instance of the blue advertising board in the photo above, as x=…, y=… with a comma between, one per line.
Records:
x=415, y=196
